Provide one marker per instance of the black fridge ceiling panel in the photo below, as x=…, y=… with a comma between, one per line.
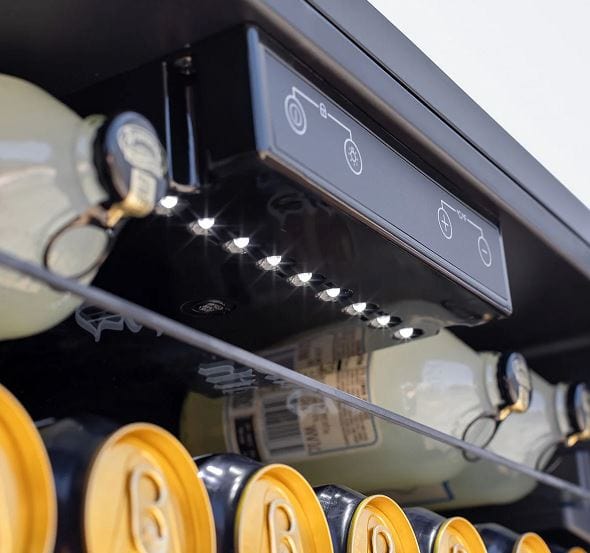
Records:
x=351, y=48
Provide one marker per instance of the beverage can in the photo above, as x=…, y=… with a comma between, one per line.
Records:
x=28, y=507
x=499, y=539
x=361, y=524
x=128, y=488
x=263, y=508
x=437, y=534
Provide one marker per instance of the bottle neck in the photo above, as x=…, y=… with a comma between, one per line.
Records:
x=88, y=178
x=572, y=406
x=490, y=360
x=508, y=382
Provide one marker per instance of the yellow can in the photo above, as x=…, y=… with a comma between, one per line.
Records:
x=359, y=524
x=499, y=539
x=28, y=508
x=263, y=508
x=437, y=534
x=134, y=489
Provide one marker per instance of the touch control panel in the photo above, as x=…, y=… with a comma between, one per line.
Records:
x=301, y=126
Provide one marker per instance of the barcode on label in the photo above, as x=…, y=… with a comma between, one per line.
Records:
x=281, y=425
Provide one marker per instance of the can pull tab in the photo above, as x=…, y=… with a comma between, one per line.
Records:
x=283, y=528
x=458, y=548
x=149, y=527
x=380, y=536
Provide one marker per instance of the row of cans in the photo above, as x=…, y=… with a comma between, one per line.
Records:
x=85, y=485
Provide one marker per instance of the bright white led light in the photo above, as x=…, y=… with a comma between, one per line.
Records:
x=331, y=294
x=201, y=227
x=169, y=202
x=381, y=322
x=300, y=279
x=241, y=242
x=355, y=309
x=405, y=333
x=206, y=222
x=237, y=245
x=270, y=263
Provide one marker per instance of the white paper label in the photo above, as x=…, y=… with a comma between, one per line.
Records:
x=283, y=422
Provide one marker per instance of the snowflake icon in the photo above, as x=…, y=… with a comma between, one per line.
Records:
x=353, y=156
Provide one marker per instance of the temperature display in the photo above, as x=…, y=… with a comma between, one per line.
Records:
x=311, y=133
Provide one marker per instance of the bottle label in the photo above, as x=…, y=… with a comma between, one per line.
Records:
x=285, y=422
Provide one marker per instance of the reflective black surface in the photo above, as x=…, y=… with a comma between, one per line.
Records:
x=425, y=524
x=224, y=477
x=72, y=444
x=339, y=504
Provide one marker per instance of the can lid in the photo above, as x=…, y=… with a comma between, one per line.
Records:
x=279, y=511
x=143, y=494
x=531, y=543
x=458, y=535
x=28, y=505
x=379, y=525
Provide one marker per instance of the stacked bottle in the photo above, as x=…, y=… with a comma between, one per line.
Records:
x=559, y=417
x=421, y=380
x=67, y=184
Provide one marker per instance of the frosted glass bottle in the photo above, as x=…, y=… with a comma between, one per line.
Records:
x=558, y=415
x=437, y=381
x=64, y=182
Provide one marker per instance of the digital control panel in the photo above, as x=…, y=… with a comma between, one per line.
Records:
x=319, y=139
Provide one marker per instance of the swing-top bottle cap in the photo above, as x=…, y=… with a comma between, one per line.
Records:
x=578, y=412
x=132, y=165
x=28, y=506
x=143, y=493
x=514, y=383
x=279, y=511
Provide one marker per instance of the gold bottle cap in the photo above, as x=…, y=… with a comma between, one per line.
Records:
x=143, y=494
x=458, y=535
x=576, y=549
x=278, y=512
x=531, y=543
x=28, y=505
x=379, y=525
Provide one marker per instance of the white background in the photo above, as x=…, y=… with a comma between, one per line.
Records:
x=526, y=62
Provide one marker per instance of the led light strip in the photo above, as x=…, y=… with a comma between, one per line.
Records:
x=241, y=245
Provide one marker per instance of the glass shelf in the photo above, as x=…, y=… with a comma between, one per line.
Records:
x=129, y=363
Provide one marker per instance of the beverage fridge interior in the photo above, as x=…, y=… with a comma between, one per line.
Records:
x=332, y=262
